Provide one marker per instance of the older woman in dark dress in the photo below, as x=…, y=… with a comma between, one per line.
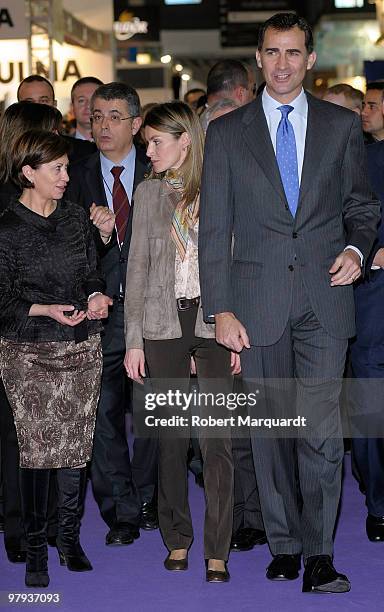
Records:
x=51, y=297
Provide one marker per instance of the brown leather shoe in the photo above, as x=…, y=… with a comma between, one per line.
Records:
x=176, y=565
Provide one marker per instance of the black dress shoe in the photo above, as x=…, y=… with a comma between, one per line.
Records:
x=321, y=577
x=51, y=541
x=176, y=565
x=284, y=567
x=217, y=576
x=375, y=528
x=148, y=518
x=240, y=542
x=122, y=534
x=16, y=555
x=255, y=536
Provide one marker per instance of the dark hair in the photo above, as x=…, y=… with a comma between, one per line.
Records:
x=226, y=76
x=35, y=148
x=118, y=91
x=378, y=85
x=194, y=90
x=17, y=119
x=286, y=21
x=40, y=79
x=375, y=85
x=85, y=81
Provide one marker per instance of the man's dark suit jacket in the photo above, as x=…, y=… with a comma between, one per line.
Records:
x=369, y=295
x=242, y=194
x=80, y=149
x=85, y=187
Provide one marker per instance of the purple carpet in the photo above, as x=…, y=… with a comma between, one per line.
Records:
x=132, y=578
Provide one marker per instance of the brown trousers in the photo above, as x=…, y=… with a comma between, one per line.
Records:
x=169, y=360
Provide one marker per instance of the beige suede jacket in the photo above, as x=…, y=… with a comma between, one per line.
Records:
x=150, y=303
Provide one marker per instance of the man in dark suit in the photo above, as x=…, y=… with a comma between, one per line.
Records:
x=367, y=358
x=285, y=177
x=123, y=492
x=36, y=88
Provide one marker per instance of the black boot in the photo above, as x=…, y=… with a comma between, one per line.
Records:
x=34, y=485
x=71, y=491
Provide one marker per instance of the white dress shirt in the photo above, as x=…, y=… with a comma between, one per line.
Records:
x=298, y=118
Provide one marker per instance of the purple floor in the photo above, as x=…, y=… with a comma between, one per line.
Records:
x=132, y=578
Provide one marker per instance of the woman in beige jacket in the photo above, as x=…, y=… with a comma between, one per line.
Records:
x=164, y=327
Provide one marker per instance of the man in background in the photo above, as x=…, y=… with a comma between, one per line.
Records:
x=36, y=88
x=193, y=96
x=373, y=112
x=124, y=490
x=345, y=95
x=81, y=94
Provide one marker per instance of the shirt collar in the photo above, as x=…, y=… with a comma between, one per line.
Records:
x=79, y=135
x=300, y=103
x=107, y=164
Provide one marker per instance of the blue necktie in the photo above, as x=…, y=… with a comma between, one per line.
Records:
x=286, y=156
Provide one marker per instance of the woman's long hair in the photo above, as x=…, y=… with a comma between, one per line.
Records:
x=17, y=119
x=176, y=118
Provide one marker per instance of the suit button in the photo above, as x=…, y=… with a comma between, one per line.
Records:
x=294, y=235
x=291, y=268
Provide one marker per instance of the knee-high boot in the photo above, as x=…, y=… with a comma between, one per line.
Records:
x=34, y=484
x=71, y=492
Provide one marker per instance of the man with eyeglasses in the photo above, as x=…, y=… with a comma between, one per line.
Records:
x=123, y=491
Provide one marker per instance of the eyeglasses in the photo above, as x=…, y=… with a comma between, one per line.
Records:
x=113, y=118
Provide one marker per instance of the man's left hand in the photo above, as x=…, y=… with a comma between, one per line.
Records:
x=346, y=268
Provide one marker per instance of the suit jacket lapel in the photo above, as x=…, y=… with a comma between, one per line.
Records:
x=94, y=179
x=258, y=139
x=141, y=167
x=318, y=125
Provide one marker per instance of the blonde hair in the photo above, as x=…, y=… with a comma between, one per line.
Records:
x=176, y=118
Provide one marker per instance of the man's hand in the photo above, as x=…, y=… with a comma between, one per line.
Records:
x=230, y=332
x=104, y=219
x=235, y=363
x=345, y=269
x=379, y=258
x=98, y=306
x=134, y=363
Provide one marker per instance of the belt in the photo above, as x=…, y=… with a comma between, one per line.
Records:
x=185, y=303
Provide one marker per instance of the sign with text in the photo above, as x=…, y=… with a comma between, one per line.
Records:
x=70, y=63
x=135, y=24
x=13, y=21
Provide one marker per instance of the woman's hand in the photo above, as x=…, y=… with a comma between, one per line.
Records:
x=98, y=306
x=104, y=219
x=134, y=362
x=56, y=312
x=193, y=365
x=235, y=363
